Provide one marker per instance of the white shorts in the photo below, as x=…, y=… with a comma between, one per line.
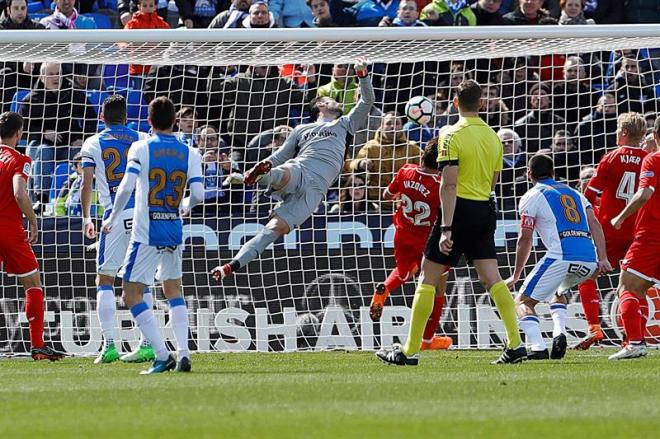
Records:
x=554, y=276
x=145, y=262
x=112, y=246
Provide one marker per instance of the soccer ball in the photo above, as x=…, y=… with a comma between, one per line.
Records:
x=419, y=110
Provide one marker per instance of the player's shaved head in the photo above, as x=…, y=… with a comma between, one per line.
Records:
x=162, y=113
x=114, y=110
x=430, y=155
x=10, y=124
x=541, y=167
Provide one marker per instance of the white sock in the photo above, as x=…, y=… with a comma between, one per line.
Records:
x=532, y=330
x=105, y=310
x=179, y=322
x=148, y=298
x=146, y=320
x=558, y=312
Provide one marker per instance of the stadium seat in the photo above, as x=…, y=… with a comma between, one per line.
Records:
x=115, y=76
x=17, y=100
x=108, y=4
x=137, y=109
x=102, y=21
x=62, y=171
x=96, y=98
x=33, y=7
x=37, y=16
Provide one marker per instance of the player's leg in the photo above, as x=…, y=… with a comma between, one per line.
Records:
x=430, y=341
x=631, y=288
x=590, y=300
x=529, y=323
x=106, y=310
x=558, y=314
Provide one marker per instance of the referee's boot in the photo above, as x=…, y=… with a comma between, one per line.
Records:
x=512, y=356
x=395, y=356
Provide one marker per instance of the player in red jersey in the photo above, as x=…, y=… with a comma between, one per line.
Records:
x=15, y=251
x=615, y=184
x=418, y=190
x=640, y=268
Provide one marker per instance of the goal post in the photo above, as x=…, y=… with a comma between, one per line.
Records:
x=552, y=88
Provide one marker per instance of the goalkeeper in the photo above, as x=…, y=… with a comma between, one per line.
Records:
x=301, y=171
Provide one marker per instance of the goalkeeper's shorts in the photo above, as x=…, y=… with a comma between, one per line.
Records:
x=299, y=198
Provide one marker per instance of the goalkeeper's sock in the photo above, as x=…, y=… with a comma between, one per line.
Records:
x=434, y=319
x=530, y=326
x=394, y=281
x=148, y=298
x=558, y=313
x=34, y=311
x=631, y=316
x=179, y=322
x=146, y=320
x=421, y=309
x=255, y=246
x=643, y=315
x=507, y=309
x=590, y=301
x=105, y=310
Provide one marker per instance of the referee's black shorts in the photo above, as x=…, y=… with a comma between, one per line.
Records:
x=472, y=230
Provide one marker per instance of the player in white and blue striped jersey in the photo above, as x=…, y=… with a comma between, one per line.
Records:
x=104, y=158
x=568, y=228
x=159, y=170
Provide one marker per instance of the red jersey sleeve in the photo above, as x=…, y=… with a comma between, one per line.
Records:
x=395, y=185
x=598, y=181
x=648, y=177
x=22, y=167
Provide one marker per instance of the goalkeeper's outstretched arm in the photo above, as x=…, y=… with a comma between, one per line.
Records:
x=358, y=115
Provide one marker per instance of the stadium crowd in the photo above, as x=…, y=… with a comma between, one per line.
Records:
x=566, y=105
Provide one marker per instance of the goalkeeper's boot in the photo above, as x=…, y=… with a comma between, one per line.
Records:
x=142, y=354
x=109, y=354
x=46, y=353
x=378, y=302
x=222, y=271
x=538, y=355
x=512, y=356
x=161, y=366
x=631, y=350
x=559, y=346
x=395, y=356
x=437, y=343
x=184, y=365
x=233, y=178
x=257, y=172
x=594, y=336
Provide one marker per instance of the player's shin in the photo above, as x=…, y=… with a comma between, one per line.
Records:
x=630, y=314
x=590, y=301
x=558, y=313
x=255, y=246
x=179, y=322
x=434, y=319
x=421, y=309
x=507, y=310
x=148, y=298
x=144, y=316
x=34, y=311
x=530, y=326
x=643, y=315
x=105, y=309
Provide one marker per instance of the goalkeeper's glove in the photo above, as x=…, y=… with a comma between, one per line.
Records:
x=360, y=67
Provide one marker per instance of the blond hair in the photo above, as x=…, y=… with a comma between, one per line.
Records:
x=634, y=124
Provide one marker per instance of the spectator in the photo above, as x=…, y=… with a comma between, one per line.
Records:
x=419, y=134
x=586, y=174
x=16, y=17
x=648, y=144
x=65, y=16
x=650, y=117
x=538, y=127
x=233, y=17
x=68, y=199
x=291, y=13
x=342, y=86
x=406, y=16
x=352, y=197
x=493, y=109
x=572, y=12
x=528, y=12
x=367, y=131
x=572, y=99
x=641, y=11
x=382, y=157
x=264, y=144
x=57, y=120
x=370, y=12
x=145, y=18
x=252, y=102
x=487, y=12
x=512, y=178
x=566, y=158
x=259, y=17
x=630, y=88
x=449, y=13
x=597, y=131
x=605, y=11
x=198, y=13
x=187, y=126
x=515, y=90
x=321, y=13
x=126, y=9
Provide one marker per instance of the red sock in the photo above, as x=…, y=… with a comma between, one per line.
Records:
x=394, y=281
x=34, y=311
x=630, y=314
x=590, y=301
x=643, y=314
x=434, y=318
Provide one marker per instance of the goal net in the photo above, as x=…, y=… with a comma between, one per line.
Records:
x=557, y=89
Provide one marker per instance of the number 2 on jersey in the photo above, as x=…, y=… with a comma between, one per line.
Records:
x=570, y=209
x=421, y=218
x=626, y=188
x=176, y=182
x=114, y=156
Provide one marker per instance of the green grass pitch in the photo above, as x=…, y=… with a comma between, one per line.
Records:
x=335, y=395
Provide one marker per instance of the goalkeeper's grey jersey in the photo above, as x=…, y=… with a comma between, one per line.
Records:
x=319, y=147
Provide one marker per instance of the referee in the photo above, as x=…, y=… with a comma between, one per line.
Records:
x=470, y=156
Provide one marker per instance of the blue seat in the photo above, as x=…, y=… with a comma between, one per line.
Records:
x=96, y=98
x=102, y=21
x=17, y=100
x=61, y=174
x=115, y=76
x=108, y=4
x=37, y=16
x=33, y=7
x=137, y=109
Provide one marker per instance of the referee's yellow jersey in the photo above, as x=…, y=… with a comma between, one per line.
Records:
x=475, y=148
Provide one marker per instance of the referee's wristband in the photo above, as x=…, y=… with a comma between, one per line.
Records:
x=87, y=221
x=445, y=228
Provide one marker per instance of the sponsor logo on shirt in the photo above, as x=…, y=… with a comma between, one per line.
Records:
x=26, y=169
x=647, y=174
x=316, y=134
x=574, y=234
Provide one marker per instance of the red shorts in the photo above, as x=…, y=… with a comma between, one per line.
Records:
x=17, y=254
x=407, y=254
x=616, y=250
x=643, y=260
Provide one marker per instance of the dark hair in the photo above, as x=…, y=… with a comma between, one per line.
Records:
x=469, y=95
x=541, y=166
x=186, y=112
x=656, y=126
x=114, y=110
x=10, y=124
x=162, y=113
x=430, y=155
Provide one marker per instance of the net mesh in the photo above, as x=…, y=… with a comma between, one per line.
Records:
x=312, y=289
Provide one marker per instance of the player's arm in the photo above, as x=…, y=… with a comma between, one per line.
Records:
x=25, y=204
x=448, y=163
x=286, y=151
x=196, y=183
x=641, y=197
x=86, y=201
x=598, y=236
x=594, y=187
x=523, y=250
x=358, y=114
x=393, y=190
